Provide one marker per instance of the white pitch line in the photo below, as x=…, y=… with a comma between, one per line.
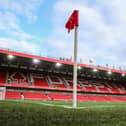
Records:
x=65, y=106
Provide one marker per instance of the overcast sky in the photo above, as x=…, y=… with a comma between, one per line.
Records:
x=38, y=26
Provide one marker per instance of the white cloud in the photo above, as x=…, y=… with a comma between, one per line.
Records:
x=8, y=21
x=25, y=8
x=9, y=25
x=24, y=46
x=16, y=37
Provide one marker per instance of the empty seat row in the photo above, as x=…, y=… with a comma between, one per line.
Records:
x=20, y=79
x=64, y=97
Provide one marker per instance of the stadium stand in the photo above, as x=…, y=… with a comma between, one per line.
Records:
x=59, y=83
x=17, y=78
x=46, y=82
x=64, y=96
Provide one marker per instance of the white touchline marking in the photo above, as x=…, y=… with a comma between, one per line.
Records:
x=66, y=106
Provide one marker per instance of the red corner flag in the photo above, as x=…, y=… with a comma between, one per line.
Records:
x=72, y=21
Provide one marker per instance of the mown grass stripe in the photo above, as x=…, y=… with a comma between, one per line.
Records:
x=28, y=113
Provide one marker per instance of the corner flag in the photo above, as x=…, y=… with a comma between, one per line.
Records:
x=72, y=21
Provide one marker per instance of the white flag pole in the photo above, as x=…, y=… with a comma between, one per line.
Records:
x=75, y=68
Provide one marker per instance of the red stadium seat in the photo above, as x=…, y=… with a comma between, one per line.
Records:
x=12, y=95
x=35, y=96
x=59, y=97
x=2, y=78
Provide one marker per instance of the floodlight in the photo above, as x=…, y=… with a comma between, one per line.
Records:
x=95, y=70
x=79, y=67
x=109, y=72
x=10, y=56
x=123, y=74
x=58, y=64
x=36, y=61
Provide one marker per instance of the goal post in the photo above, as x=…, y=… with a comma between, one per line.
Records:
x=2, y=93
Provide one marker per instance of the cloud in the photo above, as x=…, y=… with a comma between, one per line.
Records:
x=101, y=31
x=8, y=21
x=10, y=25
x=15, y=36
x=26, y=8
x=25, y=46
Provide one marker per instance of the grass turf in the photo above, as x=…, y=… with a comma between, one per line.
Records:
x=34, y=113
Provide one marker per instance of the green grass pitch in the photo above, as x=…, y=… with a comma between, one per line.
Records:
x=60, y=113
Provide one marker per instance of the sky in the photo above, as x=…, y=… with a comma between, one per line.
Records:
x=38, y=27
